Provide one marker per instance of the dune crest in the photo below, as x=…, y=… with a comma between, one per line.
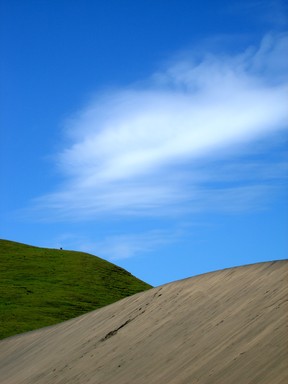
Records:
x=226, y=327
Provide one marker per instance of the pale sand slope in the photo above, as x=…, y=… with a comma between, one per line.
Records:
x=224, y=327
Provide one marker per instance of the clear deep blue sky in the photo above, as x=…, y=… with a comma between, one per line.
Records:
x=152, y=133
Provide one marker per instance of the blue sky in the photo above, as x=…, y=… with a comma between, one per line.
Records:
x=150, y=133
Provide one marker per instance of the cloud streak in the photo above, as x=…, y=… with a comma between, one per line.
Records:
x=117, y=247
x=139, y=150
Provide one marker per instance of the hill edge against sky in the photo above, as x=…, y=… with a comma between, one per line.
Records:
x=42, y=286
x=222, y=327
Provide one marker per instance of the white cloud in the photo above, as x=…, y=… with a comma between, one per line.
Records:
x=117, y=246
x=130, y=148
x=121, y=246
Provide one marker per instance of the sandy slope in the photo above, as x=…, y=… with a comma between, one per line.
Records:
x=225, y=327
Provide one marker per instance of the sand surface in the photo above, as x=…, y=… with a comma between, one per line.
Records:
x=226, y=327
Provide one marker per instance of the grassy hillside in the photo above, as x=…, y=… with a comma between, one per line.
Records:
x=40, y=286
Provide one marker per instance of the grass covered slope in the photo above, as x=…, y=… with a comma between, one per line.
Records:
x=223, y=327
x=40, y=286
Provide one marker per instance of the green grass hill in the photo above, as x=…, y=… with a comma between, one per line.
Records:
x=41, y=286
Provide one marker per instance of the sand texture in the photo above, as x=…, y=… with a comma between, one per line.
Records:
x=226, y=327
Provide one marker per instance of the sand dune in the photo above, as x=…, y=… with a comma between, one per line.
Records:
x=229, y=326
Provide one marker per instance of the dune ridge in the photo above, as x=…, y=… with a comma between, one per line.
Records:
x=43, y=286
x=228, y=326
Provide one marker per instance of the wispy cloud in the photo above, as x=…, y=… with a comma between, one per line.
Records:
x=140, y=150
x=117, y=247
